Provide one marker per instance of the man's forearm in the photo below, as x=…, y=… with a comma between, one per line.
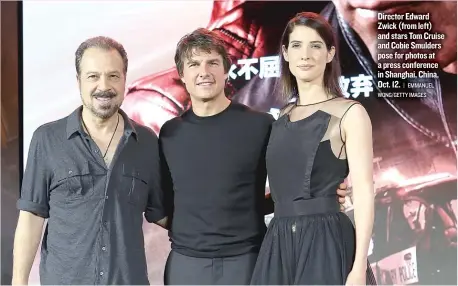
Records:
x=26, y=241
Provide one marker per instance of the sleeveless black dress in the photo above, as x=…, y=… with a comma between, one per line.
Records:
x=308, y=241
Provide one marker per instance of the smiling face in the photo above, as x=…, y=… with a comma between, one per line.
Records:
x=102, y=81
x=307, y=54
x=204, y=75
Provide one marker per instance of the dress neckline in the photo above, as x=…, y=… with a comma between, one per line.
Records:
x=311, y=116
x=315, y=103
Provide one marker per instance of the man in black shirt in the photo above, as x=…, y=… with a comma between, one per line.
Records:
x=214, y=177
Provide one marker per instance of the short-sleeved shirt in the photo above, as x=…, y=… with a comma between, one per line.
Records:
x=94, y=229
x=216, y=173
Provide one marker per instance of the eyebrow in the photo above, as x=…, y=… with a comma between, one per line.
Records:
x=89, y=72
x=312, y=42
x=196, y=61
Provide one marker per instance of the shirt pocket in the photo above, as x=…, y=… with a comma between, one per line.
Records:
x=136, y=182
x=75, y=182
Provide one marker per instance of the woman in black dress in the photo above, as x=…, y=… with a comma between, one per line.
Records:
x=319, y=138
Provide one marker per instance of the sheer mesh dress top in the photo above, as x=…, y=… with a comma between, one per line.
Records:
x=308, y=241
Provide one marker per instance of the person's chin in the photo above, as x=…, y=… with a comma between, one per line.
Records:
x=106, y=110
x=206, y=95
x=207, y=98
x=305, y=76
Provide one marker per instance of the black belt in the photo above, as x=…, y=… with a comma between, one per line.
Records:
x=307, y=207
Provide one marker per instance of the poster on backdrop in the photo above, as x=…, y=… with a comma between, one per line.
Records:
x=398, y=269
x=398, y=60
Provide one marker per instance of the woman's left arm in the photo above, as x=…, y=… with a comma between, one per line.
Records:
x=357, y=128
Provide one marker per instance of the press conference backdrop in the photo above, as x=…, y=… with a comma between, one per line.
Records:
x=412, y=106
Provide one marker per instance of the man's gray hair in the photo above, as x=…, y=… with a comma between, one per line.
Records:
x=101, y=42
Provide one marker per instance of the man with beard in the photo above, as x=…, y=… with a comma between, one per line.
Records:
x=92, y=174
x=417, y=136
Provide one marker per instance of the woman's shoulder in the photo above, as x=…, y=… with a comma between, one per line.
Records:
x=340, y=106
x=344, y=102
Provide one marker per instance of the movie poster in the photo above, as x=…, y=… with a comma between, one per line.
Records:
x=398, y=59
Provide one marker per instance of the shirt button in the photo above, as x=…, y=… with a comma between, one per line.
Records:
x=101, y=273
x=106, y=197
x=104, y=248
x=70, y=172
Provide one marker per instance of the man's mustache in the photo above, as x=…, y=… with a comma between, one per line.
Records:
x=104, y=94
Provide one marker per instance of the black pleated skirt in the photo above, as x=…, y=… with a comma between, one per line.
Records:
x=314, y=249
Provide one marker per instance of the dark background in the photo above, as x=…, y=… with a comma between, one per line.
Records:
x=10, y=130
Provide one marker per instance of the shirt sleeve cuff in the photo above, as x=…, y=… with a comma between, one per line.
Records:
x=154, y=215
x=35, y=208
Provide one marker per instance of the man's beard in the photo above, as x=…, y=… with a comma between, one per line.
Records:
x=104, y=111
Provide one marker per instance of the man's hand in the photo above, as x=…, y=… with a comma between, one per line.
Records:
x=342, y=193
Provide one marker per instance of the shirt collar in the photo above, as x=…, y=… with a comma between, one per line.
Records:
x=74, y=124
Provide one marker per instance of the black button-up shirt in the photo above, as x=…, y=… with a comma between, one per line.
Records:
x=94, y=232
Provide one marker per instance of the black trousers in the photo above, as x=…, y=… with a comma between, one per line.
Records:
x=186, y=270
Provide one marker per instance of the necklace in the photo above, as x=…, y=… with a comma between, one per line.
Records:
x=112, y=136
x=297, y=102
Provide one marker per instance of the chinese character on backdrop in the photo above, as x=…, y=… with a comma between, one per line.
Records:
x=269, y=67
x=359, y=84
x=247, y=68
